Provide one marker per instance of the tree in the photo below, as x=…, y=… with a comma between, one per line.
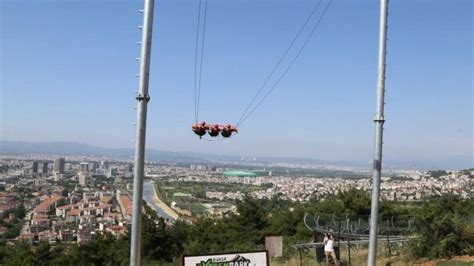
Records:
x=353, y=202
x=18, y=254
x=179, y=234
x=251, y=221
x=101, y=250
x=43, y=255
x=441, y=225
x=156, y=239
x=437, y=173
x=65, y=192
x=13, y=230
x=20, y=212
x=59, y=258
x=202, y=237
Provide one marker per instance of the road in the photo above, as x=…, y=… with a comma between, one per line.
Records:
x=156, y=204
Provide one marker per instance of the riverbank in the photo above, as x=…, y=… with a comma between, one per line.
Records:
x=167, y=209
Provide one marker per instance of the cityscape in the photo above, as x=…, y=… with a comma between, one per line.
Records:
x=72, y=198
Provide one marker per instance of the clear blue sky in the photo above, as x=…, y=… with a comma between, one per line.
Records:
x=68, y=74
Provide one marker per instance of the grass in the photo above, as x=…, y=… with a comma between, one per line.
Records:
x=194, y=208
x=455, y=263
x=359, y=257
x=198, y=189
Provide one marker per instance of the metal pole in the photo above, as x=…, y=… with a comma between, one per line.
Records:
x=349, y=250
x=142, y=101
x=379, y=121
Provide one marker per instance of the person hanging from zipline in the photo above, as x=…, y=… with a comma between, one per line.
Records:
x=214, y=130
x=227, y=130
x=200, y=129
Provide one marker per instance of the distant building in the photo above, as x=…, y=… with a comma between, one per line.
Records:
x=104, y=165
x=87, y=196
x=106, y=197
x=59, y=165
x=83, y=178
x=84, y=235
x=239, y=174
x=113, y=172
x=26, y=170
x=95, y=167
x=45, y=167
x=66, y=235
x=35, y=167
x=125, y=204
x=48, y=206
x=39, y=182
x=198, y=167
x=57, y=176
x=84, y=167
x=182, y=196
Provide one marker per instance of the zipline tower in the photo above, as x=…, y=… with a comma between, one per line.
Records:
x=379, y=121
x=142, y=102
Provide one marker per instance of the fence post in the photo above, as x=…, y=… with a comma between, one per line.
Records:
x=301, y=260
x=349, y=250
x=389, y=248
x=339, y=241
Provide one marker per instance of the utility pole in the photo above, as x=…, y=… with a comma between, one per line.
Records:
x=142, y=102
x=379, y=121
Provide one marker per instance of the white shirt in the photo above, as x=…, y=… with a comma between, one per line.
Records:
x=328, y=244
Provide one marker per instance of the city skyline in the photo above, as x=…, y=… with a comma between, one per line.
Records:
x=75, y=81
x=73, y=149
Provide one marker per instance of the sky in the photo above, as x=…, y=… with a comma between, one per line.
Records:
x=68, y=74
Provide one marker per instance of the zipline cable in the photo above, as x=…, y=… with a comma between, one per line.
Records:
x=308, y=19
x=289, y=66
x=200, y=58
x=196, y=61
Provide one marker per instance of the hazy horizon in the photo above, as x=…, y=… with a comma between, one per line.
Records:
x=392, y=164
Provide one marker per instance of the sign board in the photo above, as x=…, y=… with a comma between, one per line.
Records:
x=257, y=258
x=274, y=245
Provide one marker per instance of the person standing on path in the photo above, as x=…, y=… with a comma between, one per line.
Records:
x=329, y=248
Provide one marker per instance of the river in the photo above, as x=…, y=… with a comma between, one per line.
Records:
x=149, y=197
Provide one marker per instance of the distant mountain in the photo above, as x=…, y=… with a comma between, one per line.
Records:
x=74, y=148
x=60, y=148
x=297, y=160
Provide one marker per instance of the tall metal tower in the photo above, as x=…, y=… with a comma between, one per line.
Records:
x=379, y=121
x=142, y=102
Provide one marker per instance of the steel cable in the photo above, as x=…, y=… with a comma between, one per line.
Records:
x=308, y=19
x=288, y=67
